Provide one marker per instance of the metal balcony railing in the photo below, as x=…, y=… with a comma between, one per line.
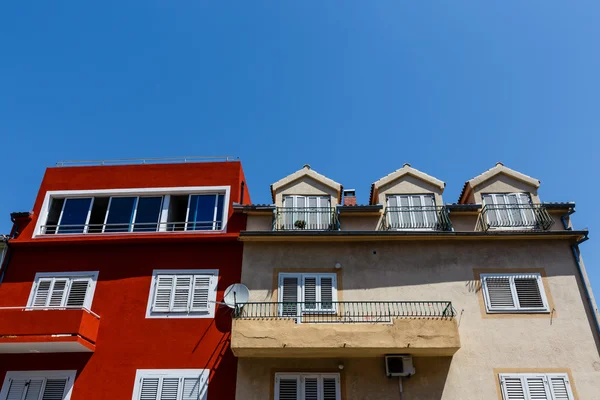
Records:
x=416, y=218
x=136, y=161
x=306, y=218
x=344, y=311
x=132, y=227
x=515, y=216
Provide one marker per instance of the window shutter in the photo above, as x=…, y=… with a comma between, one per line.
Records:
x=162, y=295
x=191, y=389
x=289, y=295
x=202, y=287
x=58, y=292
x=310, y=292
x=42, y=292
x=77, y=292
x=327, y=284
x=330, y=385
x=311, y=388
x=16, y=389
x=537, y=388
x=169, y=389
x=287, y=388
x=512, y=388
x=54, y=389
x=499, y=293
x=34, y=388
x=25, y=389
x=528, y=292
x=560, y=387
x=149, y=389
x=182, y=293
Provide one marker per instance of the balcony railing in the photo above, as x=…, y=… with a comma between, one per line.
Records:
x=416, y=218
x=515, y=216
x=344, y=312
x=306, y=218
x=132, y=227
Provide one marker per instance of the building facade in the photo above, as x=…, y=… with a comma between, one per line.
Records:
x=486, y=298
x=113, y=284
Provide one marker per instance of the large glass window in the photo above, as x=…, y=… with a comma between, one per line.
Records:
x=74, y=215
x=205, y=212
x=147, y=215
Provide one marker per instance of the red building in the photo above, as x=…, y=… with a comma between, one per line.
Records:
x=111, y=286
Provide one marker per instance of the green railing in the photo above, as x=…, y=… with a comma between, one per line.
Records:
x=344, y=311
x=515, y=216
x=306, y=218
x=416, y=218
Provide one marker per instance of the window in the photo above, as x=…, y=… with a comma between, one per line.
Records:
x=514, y=293
x=312, y=292
x=536, y=386
x=306, y=212
x=411, y=211
x=509, y=210
x=134, y=210
x=63, y=290
x=183, y=294
x=34, y=385
x=174, y=384
x=293, y=386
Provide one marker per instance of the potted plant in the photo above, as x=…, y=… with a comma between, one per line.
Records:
x=300, y=224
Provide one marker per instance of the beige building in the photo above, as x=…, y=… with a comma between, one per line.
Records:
x=412, y=298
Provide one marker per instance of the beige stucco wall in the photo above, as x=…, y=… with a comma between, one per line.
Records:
x=259, y=223
x=409, y=184
x=502, y=183
x=306, y=186
x=444, y=270
x=463, y=222
x=353, y=222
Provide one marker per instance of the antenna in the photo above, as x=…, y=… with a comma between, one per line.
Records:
x=237, y=293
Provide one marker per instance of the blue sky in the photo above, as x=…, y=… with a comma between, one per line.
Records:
x=353, y=88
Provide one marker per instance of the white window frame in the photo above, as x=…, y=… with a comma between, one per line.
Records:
x=69, y=374
x=133, y=192
x=300, y=289
x=170, y=373
x=300, y=376
x=89, y=295
x=212, y=299
x=508, y=214
x=412, y=213
x=132, y=223
x=546, y=377
x=320, y=224
x=517, y=308
x=87, y=219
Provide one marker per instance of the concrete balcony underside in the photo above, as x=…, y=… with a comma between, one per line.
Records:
x=285, y=338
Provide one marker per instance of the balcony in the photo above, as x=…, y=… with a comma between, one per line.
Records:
x=136, y=228
x=306, y=218
x=426, y=218
x=64, y=330
x=345, y=329
x=514, y=217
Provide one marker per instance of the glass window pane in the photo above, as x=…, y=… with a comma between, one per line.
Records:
x=147, y=214
x=74, y=215
x=220, y=208
x=418, y=213
x=120, y=214
x=202, y=212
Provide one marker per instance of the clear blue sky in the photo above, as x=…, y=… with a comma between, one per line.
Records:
x=354, y=88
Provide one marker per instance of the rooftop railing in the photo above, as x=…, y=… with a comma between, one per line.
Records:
x=133, y=227
x=134, y=161
x=347, y=312
x=306, y=218
x=434, y=218
x=515, y=216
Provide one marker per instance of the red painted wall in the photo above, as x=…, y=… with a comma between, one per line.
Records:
x=126, y=340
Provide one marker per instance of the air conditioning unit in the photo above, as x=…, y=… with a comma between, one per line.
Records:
x=399, y=365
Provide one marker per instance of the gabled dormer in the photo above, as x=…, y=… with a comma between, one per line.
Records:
x=412, y=200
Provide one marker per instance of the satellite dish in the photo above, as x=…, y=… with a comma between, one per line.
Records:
x=236, y=294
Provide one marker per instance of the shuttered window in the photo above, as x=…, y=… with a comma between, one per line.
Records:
x=184, y=293
x=293, y=386
x=177, y=384
x=59, y=291
x=38, y=385
x=514, y=293
x=307, y=293
x=536, y=387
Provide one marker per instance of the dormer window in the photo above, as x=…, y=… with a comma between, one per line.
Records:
x=509, y=210
x=306, y=212
x=411, y=212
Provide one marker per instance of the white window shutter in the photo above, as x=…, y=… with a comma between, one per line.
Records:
x=286, y=388
x=34, y=389
x=42, y=293
x=77, y=292
x=162, y=293
x=203, y=285
x=182, y=293
x=311, y=388
x=537, y=388
x=25, y=389
x=330, y=388
x=560, y=387
x=169, y=389
x=16, y=389
x=513, y=388
x=192, y=389
x=289, y=289
x=499, y=293
x=58, y=292
x=53, y=390
x=149, y=390
x=529, y=292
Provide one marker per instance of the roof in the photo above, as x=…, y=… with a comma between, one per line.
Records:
x=252, y=207
x=399, y=173
x=306, y=171
x=360, y=208
x=498, y=169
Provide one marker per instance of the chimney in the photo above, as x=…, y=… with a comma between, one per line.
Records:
x=350, y=197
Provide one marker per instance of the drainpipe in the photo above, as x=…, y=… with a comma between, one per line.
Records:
x=4, y=257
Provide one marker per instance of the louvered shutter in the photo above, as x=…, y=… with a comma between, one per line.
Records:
x=287, y=388
x=537, y=388
x=327, y=287
x=54, y=389
x=330, y=388
x=560, y=387
x=25, y=389
x=528, y=292
x=325, y=214
x=58, y=292
x=289, y=296
x=311, y=388
x=312, y=217
x=42, y=293
x=288, y=218
x=513, y=388
x=34, y=389
x=192, y=389
x=499, y=293
x=393, y=214
x=149, y=389
x=182, y=293
x=163, y=292
x=77, y=292
x=202, y=287
x=310, y=292
x=16, y=389
x=169, y=389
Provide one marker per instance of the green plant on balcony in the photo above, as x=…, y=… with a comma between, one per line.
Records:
x=300, y=224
